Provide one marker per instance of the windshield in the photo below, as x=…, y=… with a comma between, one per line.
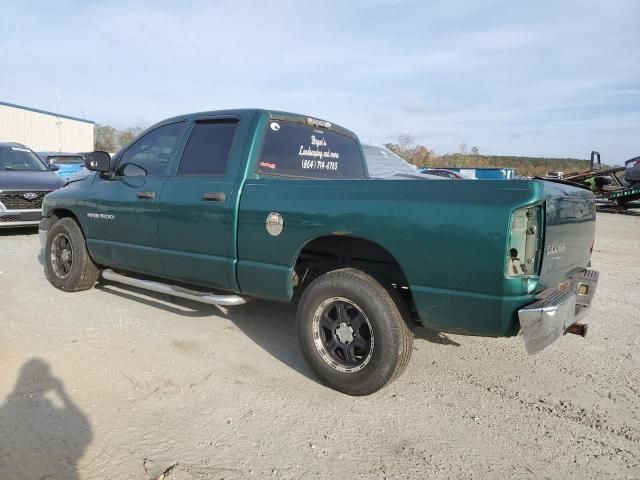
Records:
x=19, y=158
x=382, y=162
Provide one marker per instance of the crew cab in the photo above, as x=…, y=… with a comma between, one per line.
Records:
x=225, y=205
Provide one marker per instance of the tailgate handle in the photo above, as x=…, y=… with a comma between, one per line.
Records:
x=214, y=196
x=147, y=195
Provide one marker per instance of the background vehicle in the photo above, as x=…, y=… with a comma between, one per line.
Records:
x=486, y=173
x=615, y=187
x=383, y=163
x=555, y=174
x=70, y=164
x=24, y=181
x=218, y=206
x=632, y=170
x=443, y=172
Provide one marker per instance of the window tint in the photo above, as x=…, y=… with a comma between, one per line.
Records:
x=303, y=151
x=208, y=148
x=154, y=151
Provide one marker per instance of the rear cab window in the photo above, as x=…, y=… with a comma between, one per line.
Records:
x=305, y=151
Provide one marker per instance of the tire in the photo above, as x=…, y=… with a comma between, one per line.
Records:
x=67, y=263
x=352, y=332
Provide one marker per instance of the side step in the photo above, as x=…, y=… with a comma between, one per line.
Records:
x=202, y=297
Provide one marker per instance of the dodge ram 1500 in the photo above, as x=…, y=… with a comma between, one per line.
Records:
x=225, y=205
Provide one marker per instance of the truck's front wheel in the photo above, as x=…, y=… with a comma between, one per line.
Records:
x=68, y=265
x=352, y=332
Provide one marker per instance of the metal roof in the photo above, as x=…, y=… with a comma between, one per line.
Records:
x=22, y=107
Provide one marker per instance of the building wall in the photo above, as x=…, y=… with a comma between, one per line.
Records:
x=44, y=131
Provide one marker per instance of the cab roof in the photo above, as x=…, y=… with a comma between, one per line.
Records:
x=271, y=114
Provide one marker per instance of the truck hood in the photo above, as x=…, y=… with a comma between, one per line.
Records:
x=570, y=216
x=30, y=180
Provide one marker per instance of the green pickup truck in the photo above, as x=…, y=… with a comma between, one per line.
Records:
x=223, y=206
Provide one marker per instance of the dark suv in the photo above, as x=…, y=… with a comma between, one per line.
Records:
x=24, y=181
x=632, y=170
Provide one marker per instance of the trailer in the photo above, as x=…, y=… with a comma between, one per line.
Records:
x=595, y=170
x=620, y=199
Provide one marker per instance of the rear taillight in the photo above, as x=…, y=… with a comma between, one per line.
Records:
x=525, y=239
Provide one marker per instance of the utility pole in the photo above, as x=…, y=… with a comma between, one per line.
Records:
x=59, y=125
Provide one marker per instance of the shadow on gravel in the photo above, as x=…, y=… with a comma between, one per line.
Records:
x=43, y=434
x=432, y=336
x=270, y=325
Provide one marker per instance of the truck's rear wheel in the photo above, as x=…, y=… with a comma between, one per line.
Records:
x=352, y=332
x=68, y=265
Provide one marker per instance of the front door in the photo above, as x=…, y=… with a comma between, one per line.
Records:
x=121, y=222
x=195, y=210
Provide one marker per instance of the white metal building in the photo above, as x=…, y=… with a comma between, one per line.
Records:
x=44, y=131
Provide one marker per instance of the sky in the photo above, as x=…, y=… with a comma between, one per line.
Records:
x=554, y=78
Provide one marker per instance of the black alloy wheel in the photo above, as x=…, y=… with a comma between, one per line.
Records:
x=61, y=255
x=343, y=334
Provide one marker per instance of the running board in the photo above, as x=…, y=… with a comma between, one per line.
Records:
x=202, y=297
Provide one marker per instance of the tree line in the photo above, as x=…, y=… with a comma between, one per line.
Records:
x=422, y=156
x=110, y=139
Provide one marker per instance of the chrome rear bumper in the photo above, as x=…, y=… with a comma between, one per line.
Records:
x=555, y=310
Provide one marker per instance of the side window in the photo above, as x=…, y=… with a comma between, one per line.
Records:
x=208, y=148
x=154, y=150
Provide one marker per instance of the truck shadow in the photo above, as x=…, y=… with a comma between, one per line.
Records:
x=43, y=433
x=14, y=232
x=432, y=336
x=270, y=325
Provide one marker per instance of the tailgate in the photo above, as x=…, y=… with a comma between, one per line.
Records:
x=569, y=231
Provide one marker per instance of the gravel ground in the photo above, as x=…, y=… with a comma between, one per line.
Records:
x=118, y=383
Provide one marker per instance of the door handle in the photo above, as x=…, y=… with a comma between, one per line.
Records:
x=147, y=195
x=214, y=196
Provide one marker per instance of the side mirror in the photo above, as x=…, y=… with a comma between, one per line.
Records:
x=98, y=161
x=53, y=167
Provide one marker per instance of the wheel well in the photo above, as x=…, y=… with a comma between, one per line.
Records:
x=333, y=252
x=62, y=213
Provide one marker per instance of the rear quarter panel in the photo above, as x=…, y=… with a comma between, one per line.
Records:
x=448, y=237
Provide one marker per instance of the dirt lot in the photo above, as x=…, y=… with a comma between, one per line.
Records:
x=116, y=383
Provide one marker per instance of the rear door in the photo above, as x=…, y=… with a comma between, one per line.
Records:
x=197, y=205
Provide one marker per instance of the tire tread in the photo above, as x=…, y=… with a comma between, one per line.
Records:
x=89, y=271
x=395, y=313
